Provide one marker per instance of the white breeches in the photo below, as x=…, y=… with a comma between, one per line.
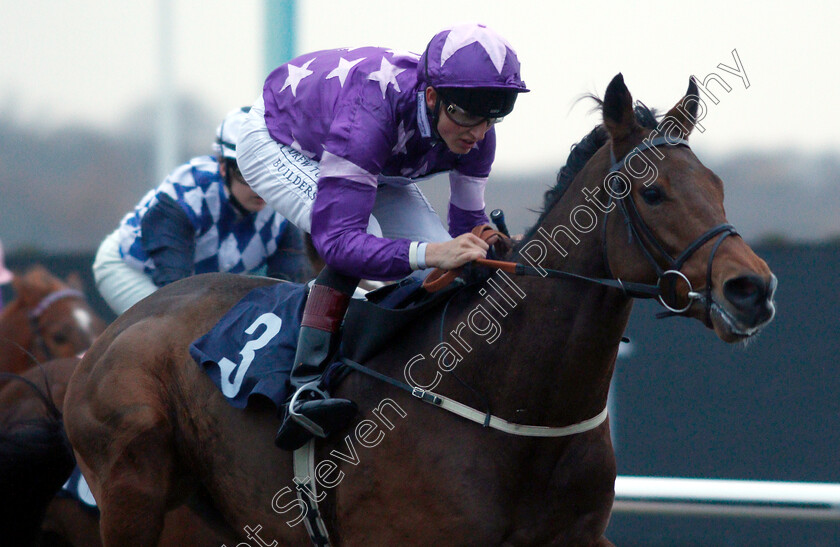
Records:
x=119, y=284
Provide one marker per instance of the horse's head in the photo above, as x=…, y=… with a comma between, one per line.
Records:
x=670, y=208
x=61, y=322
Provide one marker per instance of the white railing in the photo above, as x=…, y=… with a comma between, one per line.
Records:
x=731, y=498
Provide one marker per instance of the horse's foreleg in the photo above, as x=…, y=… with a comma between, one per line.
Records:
x=136, y=484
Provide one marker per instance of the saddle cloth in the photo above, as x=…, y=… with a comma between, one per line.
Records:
x=249, y=353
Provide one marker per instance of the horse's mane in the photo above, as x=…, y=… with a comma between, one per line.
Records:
x=582, y=152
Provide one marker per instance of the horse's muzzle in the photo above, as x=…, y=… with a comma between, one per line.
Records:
x=746, y=307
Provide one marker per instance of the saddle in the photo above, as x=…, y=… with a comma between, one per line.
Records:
x=369, y=324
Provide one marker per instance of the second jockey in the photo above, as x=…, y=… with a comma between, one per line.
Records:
x=202, y=218
x=335, y=144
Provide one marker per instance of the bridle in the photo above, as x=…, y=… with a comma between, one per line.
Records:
x=652, y=248
x=34, y=316
x=653, y=251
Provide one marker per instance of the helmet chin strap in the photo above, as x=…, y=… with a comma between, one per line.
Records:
x=436, y=118
x=232, y=198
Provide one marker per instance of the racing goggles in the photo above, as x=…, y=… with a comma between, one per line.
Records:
x=461, y=117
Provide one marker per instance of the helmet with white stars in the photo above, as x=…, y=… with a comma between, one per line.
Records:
x=473, y=67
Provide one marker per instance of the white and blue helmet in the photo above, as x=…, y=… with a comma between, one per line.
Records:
x=227, y=134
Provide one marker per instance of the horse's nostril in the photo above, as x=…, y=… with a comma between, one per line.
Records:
x=745, y=291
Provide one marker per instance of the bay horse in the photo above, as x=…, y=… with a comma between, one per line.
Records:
x=30, y=512
x=47, y=319
x=149, y=427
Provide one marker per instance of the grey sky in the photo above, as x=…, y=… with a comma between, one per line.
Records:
x=92, y=61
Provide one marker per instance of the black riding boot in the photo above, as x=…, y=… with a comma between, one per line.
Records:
x=311, y=411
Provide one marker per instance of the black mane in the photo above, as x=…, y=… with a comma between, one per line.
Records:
x=582, y=152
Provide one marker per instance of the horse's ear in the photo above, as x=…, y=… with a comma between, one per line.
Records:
x=684, y=113
x=22, y=285
x=618, y=110
x=74, y=281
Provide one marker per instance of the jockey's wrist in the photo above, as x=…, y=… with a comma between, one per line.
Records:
x=417, y=255
x=421, y=255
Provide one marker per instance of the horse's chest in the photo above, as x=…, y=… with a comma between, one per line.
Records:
x=475, y=494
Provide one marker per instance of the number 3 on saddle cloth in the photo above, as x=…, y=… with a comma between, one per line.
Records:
x=249, y=352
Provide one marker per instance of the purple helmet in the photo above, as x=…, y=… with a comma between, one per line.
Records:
x=475, y=68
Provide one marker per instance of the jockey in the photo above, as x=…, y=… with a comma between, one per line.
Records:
x=335, y=144
x=202, y=218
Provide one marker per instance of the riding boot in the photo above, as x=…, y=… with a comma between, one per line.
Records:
x=311, y=411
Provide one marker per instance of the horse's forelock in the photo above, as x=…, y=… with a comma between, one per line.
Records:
x=34, y=284
x=39, y=278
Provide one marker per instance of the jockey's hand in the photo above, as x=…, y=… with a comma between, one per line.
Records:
x=456, y=252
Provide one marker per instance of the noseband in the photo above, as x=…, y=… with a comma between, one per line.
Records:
x=651, y=246
x=38, y=341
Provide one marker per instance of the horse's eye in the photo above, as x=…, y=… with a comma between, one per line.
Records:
x=61, y=338
x=652, y=195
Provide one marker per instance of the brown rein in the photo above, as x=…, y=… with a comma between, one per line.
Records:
x=439, y=279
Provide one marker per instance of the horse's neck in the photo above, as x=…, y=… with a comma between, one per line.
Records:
x=553, y=358
x=13, y=319
x=15, y=333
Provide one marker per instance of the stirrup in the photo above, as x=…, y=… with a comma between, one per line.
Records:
x=303, y=421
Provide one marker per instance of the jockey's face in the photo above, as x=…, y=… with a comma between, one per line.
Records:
x=241, y=191
x=459, y=139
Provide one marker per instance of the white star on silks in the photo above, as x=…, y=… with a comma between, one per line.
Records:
x=395, y=53
x=342, y=69
x=387, y=74
x=464, y=35
x=296, y=74
x=402, y=138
